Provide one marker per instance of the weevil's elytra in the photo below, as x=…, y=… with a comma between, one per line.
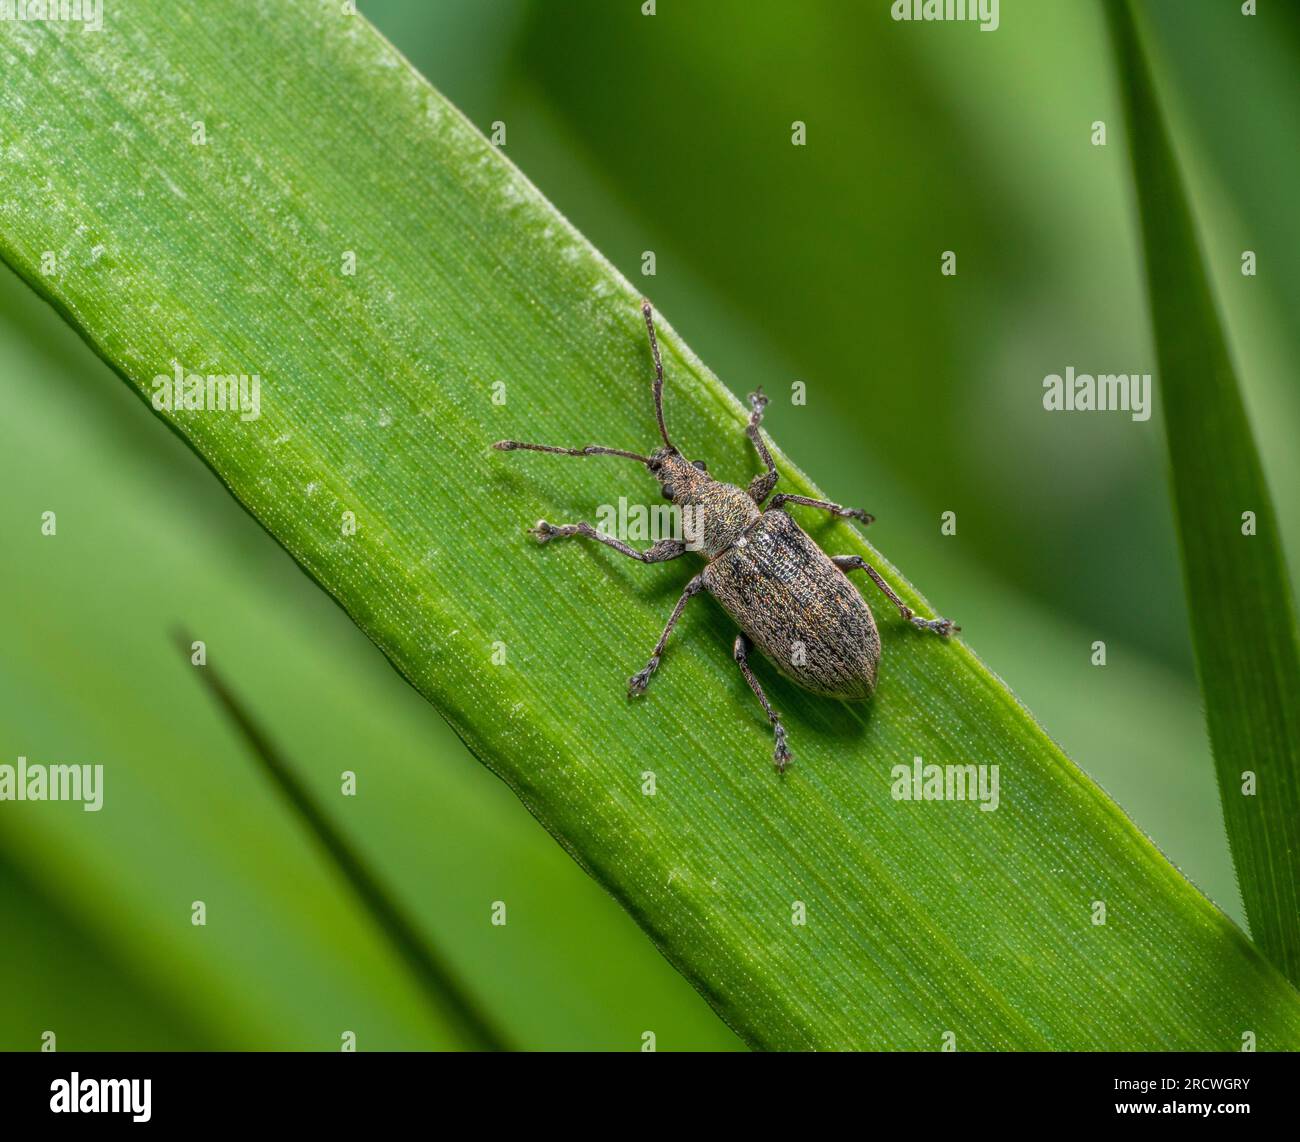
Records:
x=818, y=631
x=790, y=599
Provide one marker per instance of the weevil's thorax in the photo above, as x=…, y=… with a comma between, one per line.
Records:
x=714, y=514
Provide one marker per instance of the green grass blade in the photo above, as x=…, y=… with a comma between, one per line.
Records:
x=1238, y=593
x=288, y=960
x=477, y=313
x=447, y=995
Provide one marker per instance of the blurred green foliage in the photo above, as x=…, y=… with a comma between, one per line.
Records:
x=668, y=133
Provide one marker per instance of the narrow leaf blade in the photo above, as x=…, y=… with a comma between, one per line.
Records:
x=1238, y=593
x=448, y=996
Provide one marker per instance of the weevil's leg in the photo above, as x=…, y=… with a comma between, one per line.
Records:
x=940, y=626
x=589, y=450
x=781, y=755
x=835, y=509
x=760, y=487
x=637, y=684
x=658, y=552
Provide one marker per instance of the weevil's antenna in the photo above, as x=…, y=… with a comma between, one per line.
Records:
x=589, y=450
x=648, y=310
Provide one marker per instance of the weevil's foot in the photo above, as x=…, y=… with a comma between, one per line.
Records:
x=942, y=627
x=506, y=445
x=636, y=685
x=781, y=755
x=757, y=401
x=858, y=514
x=544, y=532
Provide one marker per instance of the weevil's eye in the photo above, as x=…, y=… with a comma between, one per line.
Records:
x=668, y=492
x=700, y=464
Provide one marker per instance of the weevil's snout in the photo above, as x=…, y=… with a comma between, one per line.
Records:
x=662, y=465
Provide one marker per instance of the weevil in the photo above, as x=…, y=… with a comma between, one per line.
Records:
x=790, y=599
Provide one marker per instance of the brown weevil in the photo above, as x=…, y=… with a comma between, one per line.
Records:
x=789, y=598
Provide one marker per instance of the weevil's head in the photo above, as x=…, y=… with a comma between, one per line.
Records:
x=680, y=480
